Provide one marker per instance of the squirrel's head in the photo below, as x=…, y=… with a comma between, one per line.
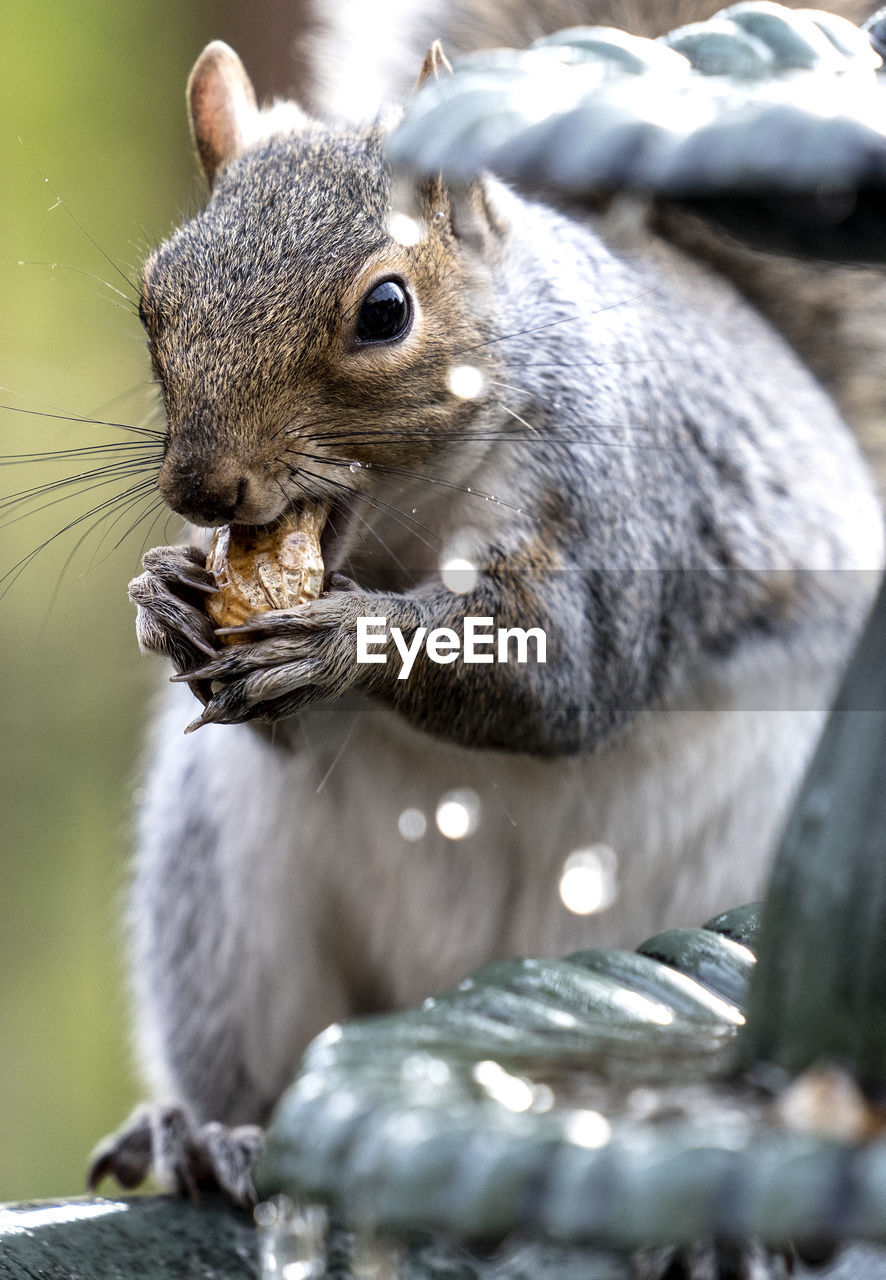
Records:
x=305, y=328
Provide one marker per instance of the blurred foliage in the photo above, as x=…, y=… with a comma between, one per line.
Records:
x=92, y=111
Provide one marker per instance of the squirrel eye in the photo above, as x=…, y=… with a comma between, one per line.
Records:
x=384, y=314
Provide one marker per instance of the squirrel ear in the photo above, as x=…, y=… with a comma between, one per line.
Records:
x=475, y=217
x=225, y=117
x=222, y=106
x=435, y=64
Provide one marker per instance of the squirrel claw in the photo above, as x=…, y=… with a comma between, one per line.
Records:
x=223, y=707
x=163, y=1139
x=338, y=582
x=207, y=588
x=243, y=629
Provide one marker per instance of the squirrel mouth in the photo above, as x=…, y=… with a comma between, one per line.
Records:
x=333, y=534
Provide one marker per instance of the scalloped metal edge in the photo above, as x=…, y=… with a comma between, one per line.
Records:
x=386, y=1124
x=583, y=111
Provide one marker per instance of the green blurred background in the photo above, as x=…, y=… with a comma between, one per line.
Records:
x=91, y=99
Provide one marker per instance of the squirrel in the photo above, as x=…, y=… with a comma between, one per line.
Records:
x=642, y=468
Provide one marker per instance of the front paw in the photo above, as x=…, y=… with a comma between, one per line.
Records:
x=284, y=660
x=163, y=1140
x=707, y=1260
x=168, y=596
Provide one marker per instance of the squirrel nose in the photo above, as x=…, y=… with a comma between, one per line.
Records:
x=203, y=496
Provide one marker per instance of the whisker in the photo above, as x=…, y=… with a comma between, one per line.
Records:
x=547, y=437
x=90, y=275
x=99, y=511
x=126, y=506
x=379, y=539
x=345, y=438
x=507, y=386
x=516, y=415
x=286, y=497
x=615, y=364
x=141, y=458
x=90, y=450
x=77, y=223
x=407, y=521
x=144, y=385
x=399, y=516
x=384, y=468
x=338, y=755
x=162, y=509
x=550, y=324
x=356, y=516
x=101, y=476
x=59, y=412
x=151, y=499
x=154, y=432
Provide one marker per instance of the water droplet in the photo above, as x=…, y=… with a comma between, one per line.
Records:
x=512, y=1092
x=544, y=1098
x=412, y=824
x=466, y=381
x=354, y=467
x=587, y=1128
x=588, y=881
x=405, y=230
x=422, y=1069
x=459, y=575
x=458, y=813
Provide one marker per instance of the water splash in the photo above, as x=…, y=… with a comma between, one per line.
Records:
x=292, y=1239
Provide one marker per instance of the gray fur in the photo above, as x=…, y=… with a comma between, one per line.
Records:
x=685, y=514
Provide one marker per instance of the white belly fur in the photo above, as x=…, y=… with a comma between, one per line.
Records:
x=316, y=906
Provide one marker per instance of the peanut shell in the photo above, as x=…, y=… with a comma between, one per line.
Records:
x=262, y=569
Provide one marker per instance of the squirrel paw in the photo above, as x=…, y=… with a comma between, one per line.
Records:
x=170, y=618
x=162, y=1139
x=296, y=657
x=710, y=1261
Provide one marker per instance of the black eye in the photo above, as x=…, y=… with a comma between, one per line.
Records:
x=384, y=314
